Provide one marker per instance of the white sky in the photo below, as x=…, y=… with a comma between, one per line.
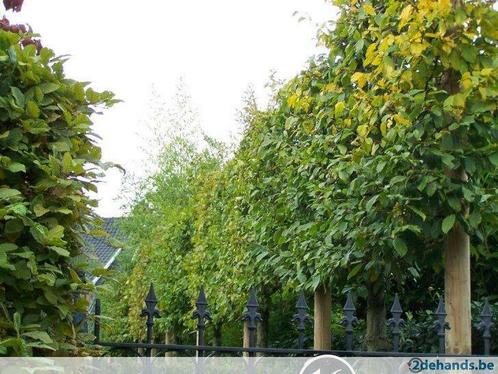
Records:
x=219, y=47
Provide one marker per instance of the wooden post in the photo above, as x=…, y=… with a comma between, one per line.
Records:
x=322, y=319
x=457, y=291
x=246, y=340
x=170, y=338
x=457, y=258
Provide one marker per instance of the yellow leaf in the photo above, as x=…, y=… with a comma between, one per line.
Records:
x=308, y=127
x=291, y=101
x=486, y=72
x=400, y=120
x=405, y=16
x=417, y=48
x=330, y=87
x=386, y=42
x=339, y=108
x=444, y=6
x=360, y=78
x=466, y=81
x=362, y=130
x=369, y=9
x=383, y=129
x=370, y=54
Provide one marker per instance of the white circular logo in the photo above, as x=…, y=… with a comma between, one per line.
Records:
x=327, y=364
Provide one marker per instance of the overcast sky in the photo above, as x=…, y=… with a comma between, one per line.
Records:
x=218, y=47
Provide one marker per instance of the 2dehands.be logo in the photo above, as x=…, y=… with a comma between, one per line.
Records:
x=417, y=365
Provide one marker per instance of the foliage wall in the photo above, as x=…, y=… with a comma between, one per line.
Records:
x=354, y=175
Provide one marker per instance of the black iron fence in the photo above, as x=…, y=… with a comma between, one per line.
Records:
x=301, y=319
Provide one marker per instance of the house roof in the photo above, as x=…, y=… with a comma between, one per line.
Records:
x=104, y=248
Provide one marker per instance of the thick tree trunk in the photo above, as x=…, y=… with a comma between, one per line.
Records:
x=322, y=319
x=376, y=338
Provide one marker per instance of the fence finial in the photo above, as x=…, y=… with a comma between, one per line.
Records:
x=441, y=325
x=202, y=314
x=349, y=321
x=300, y=318
x=150, y=312
x=485, y=325
x=252, y=316
x=396, y=322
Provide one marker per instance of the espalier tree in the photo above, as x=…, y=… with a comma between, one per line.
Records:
x=396, y=131
x=49, y=161
x=373, y=168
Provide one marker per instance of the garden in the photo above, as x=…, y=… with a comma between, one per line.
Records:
x=368, y=180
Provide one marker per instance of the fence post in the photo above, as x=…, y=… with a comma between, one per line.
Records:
x=485, y=325
x=349, y=321
x=301, y=318
x=202, y=315
x=322, y=336
x=96, y=324
x=251, y=318
x=441, y=325
x=150, y=312
x=395, y=322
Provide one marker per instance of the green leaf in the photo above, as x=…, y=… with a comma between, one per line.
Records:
x=400, y=246
x=32, y=109
x=60, y=251
x=4, y=262
x=39, y=335
x=7, y=247
x=50, y=296
x=371, y=202
x=67, y=162
x=40, y=210
x=356, y=269
x=8, y=193
x=19, y=209
x=16, y=167
x=18, y=96
x=17, y=322
x=49, y=87
x=448, y=223
x=455, y=204
x=39, y=233
x=475, y=219
x=494, y=159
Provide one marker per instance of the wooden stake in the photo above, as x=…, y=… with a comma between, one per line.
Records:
x=322, y=319
x=457, y=291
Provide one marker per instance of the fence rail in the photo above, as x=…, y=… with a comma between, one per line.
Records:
x=301, y=318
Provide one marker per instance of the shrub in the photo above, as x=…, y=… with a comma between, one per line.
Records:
x=49, y=161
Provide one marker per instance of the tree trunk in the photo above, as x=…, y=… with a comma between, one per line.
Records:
x=262, y=332
x=217, y=335
x=246, y=339
x=376, y=338
x=322, y=319
x=170, y=338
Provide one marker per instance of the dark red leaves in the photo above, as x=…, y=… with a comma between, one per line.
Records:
x=6, y=26
x=35, y=42
x=15, y=5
